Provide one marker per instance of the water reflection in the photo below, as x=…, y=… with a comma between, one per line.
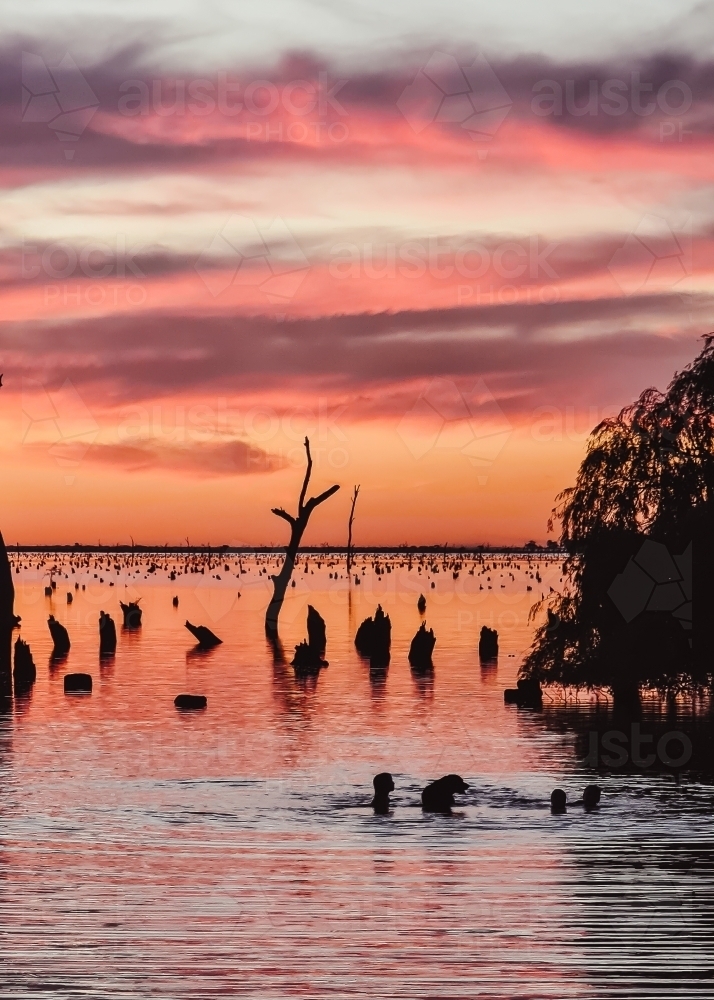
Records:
x=234, y=852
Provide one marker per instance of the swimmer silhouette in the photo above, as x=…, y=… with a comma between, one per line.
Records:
x=439, y=795
x=591, y=797
x=383, y=785
x=558, y=801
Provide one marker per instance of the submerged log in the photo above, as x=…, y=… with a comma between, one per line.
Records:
x=60, y=636
x=374, y=638
x=206, y=638
x=421, y=648
x=132, y=614
x=24, y=672
x=107, y=635
x=190, y=702
x=488, y=644
x=77, y=682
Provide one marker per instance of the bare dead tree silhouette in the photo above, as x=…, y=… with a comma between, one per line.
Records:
x=349, y=531
x=297, y=529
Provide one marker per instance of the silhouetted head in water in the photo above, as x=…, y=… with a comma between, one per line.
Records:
x=591, y=796
x=383, y=785
x=439, y=795
x=557, y=801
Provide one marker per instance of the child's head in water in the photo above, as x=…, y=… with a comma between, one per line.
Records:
x=383, y=785
x=558, y=801
x=591, y=796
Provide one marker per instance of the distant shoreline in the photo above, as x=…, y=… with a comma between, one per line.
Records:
x=337, y=550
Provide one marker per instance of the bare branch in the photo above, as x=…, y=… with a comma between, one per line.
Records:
x=284, y=514
x=314, y=501
x=307, y=476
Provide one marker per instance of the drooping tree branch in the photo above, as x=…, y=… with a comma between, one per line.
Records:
x=297, y=524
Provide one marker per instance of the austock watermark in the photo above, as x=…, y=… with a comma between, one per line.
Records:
x=617, y=749
x=297, y=110
x=95, y=273
x=615, y=97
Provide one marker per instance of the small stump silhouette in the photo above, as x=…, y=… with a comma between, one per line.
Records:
x=24, y=672
x=528, y=694
x=60, y=637
x=488, y=644
x=374, y=639
x=421, y=648
x=132, y=614
x=307, y=660
x=316, y=630
x=107, y=635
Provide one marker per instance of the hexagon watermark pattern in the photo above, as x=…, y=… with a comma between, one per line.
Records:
x=445, y=418
x=655, y=580
x=654, y=257
x=61, y=98
x=60, y=419
x=243, y=254
x=444, y=92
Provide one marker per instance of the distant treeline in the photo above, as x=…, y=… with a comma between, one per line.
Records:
x=338, y=550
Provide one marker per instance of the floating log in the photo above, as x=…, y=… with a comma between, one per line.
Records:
x=528, y=694
x=60, y=636
x=77, y=682
x=206, y=638
x=374, y=638
x=132, y=614
x=421, y=648
x=316, y=631
x=107, y=635
x=24, y=671
x=488, y=644
x=190, y=702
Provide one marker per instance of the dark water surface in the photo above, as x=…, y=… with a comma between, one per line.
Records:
x=232, y=852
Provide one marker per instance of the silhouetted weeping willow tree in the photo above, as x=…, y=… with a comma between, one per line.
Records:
x=648, y=475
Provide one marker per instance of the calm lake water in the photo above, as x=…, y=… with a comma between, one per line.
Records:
x=232, y=852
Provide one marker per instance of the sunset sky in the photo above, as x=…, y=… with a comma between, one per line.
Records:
x=443, y=241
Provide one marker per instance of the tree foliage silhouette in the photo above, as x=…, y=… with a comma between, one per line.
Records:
x=648, y=474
